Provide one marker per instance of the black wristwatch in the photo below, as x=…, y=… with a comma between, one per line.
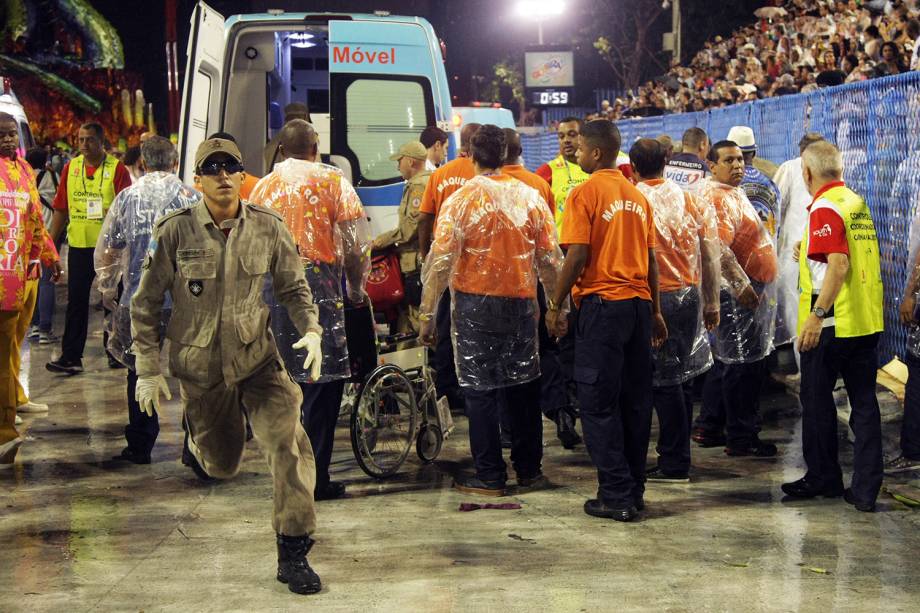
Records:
x=819, y=312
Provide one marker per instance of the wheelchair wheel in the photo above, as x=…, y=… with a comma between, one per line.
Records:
x=428, y=443
x=384, y=421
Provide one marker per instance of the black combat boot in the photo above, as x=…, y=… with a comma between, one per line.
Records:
x=293, y=568
x=565, y=429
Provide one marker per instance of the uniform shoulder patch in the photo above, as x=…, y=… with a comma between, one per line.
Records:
x=162, y=220
x=420, y=179
x=256, y=208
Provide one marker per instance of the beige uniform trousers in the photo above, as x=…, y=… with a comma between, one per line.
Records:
x=217, y=432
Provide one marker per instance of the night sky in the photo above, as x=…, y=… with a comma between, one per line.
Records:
x=478, y=33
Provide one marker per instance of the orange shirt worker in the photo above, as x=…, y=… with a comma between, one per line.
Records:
x=610, y=234
x=554, y=396
x=443, y=182
x=494, y=240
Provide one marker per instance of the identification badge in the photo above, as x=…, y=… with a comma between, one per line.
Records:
x=196, y=287
x=94, y=208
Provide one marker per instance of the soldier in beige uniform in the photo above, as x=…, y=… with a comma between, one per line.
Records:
x=411, y=163
x=212, y=259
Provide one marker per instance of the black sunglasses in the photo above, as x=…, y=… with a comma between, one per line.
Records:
x=212, y=169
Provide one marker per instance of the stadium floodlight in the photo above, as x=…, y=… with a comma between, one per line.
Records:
x=540, y=11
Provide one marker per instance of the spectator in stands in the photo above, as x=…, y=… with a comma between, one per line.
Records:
x=840, y=321
x=892, y=63
x=434, y=139
x=850, y=66
x=785, y=85
x=913, y=33
x=873, y=44
x=810, y=44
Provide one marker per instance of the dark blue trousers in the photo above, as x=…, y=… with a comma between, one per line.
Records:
x=442, y=358
x=910, y=427
x=142, y=430
x=520, y=405
x=856, y=360
x=319, y=414
x=731, y=397
x=674, y=406
x=613, y=371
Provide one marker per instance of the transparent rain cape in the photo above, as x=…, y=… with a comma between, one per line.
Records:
x=494, y=240
x=122, y=247
x=324, y=214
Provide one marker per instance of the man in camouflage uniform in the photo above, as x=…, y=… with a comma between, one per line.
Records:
x=212, y=258
x=411, y=163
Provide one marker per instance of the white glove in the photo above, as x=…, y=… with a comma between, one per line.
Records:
x=147, y=393
x=312, y=342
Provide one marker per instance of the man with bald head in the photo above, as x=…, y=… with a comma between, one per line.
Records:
x=443, y=182
x=322, y=211
x=272, y=155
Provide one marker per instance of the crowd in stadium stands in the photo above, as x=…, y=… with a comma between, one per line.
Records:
x=799, y=46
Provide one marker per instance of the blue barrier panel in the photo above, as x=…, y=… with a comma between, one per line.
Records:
x=876, y=125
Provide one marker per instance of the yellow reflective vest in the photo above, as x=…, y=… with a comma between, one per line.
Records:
x=859, y=307
x=88, y=200
x=565, y=177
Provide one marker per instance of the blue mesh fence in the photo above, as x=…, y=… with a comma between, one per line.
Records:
x=876, y=125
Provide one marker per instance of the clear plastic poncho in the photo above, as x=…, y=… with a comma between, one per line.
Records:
x=324, y=214
x=122, y=247
x=493, y=240
x=748, y=258
x=688, y=254
x=794, y=201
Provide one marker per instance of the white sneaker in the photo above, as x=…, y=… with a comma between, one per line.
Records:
x=32, y=407
x=18, y=420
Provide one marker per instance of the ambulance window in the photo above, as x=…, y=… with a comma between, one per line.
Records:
x=381, y=116
x=199, y=106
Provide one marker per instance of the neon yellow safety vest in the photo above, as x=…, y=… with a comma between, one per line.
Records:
x=565, y=177
x=88, y=200
x=858, y=309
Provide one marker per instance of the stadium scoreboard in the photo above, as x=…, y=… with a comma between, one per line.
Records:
x=549, y=76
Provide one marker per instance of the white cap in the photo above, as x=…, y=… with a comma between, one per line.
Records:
x=743, y=136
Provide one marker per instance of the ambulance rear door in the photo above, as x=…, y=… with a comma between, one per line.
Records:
x=201, y=93
x=383, y=82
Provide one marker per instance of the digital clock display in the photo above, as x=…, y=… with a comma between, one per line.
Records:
x=550, y=97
